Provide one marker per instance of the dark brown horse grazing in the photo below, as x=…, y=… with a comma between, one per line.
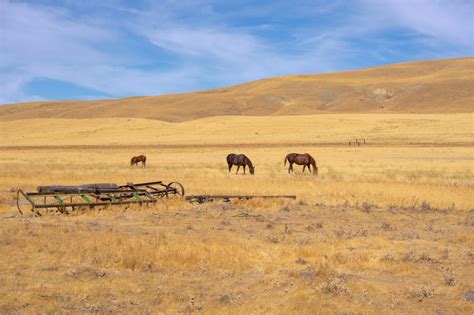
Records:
x=301, y=159
x=239, y=160
x=136, y=159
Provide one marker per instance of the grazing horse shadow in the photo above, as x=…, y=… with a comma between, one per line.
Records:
x=240, y=160
x=301, y=159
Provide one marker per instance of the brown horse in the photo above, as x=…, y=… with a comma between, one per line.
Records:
x=301, y=159
x=136, y=159
x=240, y=160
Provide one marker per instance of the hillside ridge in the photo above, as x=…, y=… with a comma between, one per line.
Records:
x=428, y=86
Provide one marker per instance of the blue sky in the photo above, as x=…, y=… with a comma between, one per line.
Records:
x=110, y=48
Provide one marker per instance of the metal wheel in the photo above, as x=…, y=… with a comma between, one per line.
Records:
x=18, y=201
x=179, y=189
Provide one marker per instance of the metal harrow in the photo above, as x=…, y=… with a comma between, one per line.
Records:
x=65, y=198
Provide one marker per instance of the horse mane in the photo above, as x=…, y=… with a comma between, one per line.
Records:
x=247, y=161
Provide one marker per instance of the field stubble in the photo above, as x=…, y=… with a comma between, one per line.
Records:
x=382, y=176
x=381, y=229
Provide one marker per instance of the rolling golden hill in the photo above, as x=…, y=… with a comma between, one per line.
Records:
x=438, y=86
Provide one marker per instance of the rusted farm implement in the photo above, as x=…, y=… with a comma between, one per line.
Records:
x=65, y=198
x=228, y=198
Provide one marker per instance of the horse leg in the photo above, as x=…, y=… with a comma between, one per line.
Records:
x=238, y=167
x=230, y=166
x=304, y=167
x=291, y=168
x=244, y=169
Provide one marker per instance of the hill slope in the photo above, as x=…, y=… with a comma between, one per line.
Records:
x=438, y=86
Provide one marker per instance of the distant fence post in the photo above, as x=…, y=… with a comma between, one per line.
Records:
x=357, y=142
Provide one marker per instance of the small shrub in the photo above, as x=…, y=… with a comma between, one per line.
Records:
x=302, y=203
x=449, y=279
x=422, y=293
x=340, y=232
x=334, y=286
x=426, y=258
x=366, y=207
x=275, y=239
x=300, y=261
x=313, y=227
x=392, y=208
x=387, y=257
x=285, y=209
x=410, y=256
x=425, y=206
x=413, y=257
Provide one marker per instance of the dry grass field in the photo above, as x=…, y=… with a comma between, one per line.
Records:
x=233, y=131
x=385, y=228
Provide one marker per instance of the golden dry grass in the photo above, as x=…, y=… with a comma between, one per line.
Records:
x=301, y=258
x=315, y=130
x=385, y=228
x=436, y=86
x=384, y=176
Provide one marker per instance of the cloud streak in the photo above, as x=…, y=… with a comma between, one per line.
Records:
x=171, y=47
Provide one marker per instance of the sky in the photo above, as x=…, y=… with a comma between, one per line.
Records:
x=58, y=50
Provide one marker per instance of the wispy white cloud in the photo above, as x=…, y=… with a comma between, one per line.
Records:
x=208, y=44
x=231, y=54
x=44, y=42
x=205, y=42
x=12, y=87
x=44, y=34
x=443, y=21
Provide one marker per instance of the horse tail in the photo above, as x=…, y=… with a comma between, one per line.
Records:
x=132, y=160
x=313, y=163
x=284, y=161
